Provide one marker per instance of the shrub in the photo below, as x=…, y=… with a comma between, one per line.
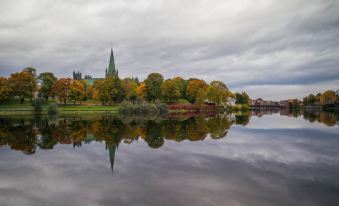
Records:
x=244, y=107
x=53, y=109
x=127, y=108
x=236, y=107
x=162, y=107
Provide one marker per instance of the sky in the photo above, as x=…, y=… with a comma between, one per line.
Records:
x=268, y=48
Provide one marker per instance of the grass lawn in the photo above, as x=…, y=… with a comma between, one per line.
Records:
x=78, y=107
x=182, y=101
x=15, y=108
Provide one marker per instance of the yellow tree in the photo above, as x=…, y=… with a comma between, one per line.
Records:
x=130, y=87
x=196, y=91
x=76, y=91
x=327, y=97
x=142, y=90
x=170, y=91
x=217, y=92
x=5, y=89
x=89, y=92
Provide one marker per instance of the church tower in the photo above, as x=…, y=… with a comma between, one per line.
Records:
x=111, y=70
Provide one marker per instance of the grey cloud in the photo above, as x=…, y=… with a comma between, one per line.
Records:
x=241, y=43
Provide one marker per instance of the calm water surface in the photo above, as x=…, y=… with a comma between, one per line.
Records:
x=260, y=159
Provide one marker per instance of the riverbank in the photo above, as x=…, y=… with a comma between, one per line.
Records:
x=96, y=108
x=69, y=109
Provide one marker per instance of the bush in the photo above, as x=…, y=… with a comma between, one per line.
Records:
x=127, y=108
x=236, y=107
x=53, y=109
x=162, y=107
x=244, y=107
x=37, y=104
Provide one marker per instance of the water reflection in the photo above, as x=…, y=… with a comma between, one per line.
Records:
x=327, y=118
x=257, y=164
x=27, y=134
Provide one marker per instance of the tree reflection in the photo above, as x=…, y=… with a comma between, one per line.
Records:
x=26, y=135
x=330, y=119
x=41, y=132
x=242, y=119
x=153, y=135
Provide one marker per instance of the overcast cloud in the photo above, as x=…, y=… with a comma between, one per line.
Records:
x=272, y=49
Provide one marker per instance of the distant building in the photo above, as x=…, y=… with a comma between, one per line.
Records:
x=77, y=75
x=286, y=103
x=110, y=71
x=263, y=103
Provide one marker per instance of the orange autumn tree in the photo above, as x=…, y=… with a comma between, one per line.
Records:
x=23, y=85
x=61, y=89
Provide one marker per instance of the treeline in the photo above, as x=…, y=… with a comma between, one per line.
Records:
x=328, y=97
x=112, y=90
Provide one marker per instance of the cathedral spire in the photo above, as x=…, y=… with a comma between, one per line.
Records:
x=111, y=65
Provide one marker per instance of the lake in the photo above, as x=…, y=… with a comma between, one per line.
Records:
x=265, y=158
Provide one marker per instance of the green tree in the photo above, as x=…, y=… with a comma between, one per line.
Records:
x=246, y=98
x=114, y=89
x=5, y=89
x=99, y=91
x=218, y=93
x=109, y=90
x=295, y=104
x=46, y=80
x=170, y=91
x=182, y=84
x=311, y=99
x=153, y=86
x=242, y=98
x=87, y=90
x=238, y=98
